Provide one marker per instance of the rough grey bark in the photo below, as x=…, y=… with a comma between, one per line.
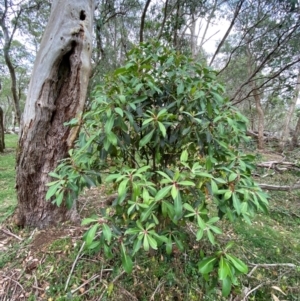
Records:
x=56, y=94
x=2, y=144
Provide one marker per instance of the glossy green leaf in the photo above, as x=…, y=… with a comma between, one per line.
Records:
x=210, y=237
x=207, y=265
x=238, y=264
x=109, y=124
x=184, y=156
x=119, y=111
x=52, y=190
x=88, y=220
x=107, y=233
x=146, y=244
x=146, y=139
x=126, y=260
x=162, y=129
x=236, y=203
x=91, y=234
x=226, y=286
x=214, y=187
x=162, y=193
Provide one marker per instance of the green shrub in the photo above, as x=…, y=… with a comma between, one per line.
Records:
x=172, y=138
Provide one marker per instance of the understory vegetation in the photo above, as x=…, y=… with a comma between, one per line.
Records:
x=172, y=208
x=39, y=267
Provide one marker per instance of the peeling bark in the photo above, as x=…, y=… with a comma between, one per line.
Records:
x=57, y=93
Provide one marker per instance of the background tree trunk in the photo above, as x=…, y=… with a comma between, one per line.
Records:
x=260, y=114
x=56, y=94
x=2, y=144
x=285, y=133
x=8, y=38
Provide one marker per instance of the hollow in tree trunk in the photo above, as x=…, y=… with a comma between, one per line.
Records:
x=56, y=94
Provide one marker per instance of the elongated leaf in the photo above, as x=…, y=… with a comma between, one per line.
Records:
x=199, y=234
x=138, y=87
x=146, y=139
x=226, y=286
x=201, y=222
x=178, y=205
x=112, y=177
x=112, y=138
x=215, y=229
x=238, y=264
x=52, y=190
x=186, y=183
x=107, y=232
x=88, y=220
x=174, y=191
x=188, y=207
x=146, y=195
x=165, y=176
x=169, y=246
x=122, y=187
x=236, y=204
x=162, y=129
x=146, y=121
x=109, y=124
x=180, y=88
x=184, y=156
x=148, y=212
x=126, y=260
x=207, y=265
x=214, y=187
x=146, y=243
x=227, y=195
x=232, y=177
x=224, y=268
x=152, y=242
x=211, y=237
x=162, y=192
x=91, y=235
x=59, y=198
x=119, y=111
x=204, y=175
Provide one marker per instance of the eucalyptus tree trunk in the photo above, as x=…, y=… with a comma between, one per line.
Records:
x=8, y=38
x=2, y=144
x=286, y=129
x=260, y=114
x=56, y=94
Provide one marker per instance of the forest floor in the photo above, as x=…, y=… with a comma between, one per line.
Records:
x=53, y=265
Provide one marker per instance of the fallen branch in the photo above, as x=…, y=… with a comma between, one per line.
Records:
x=11, y=234
x=73, y=265
x=266, y=136
x=271, y=265
x=280, y=188
x=274, y=165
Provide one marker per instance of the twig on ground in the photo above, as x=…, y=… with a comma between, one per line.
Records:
x=268, y=265
x=33, y=232
x=156, y=290
x=253, y=290
x=85, y=283
x=11, y=234
x=73, y=266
